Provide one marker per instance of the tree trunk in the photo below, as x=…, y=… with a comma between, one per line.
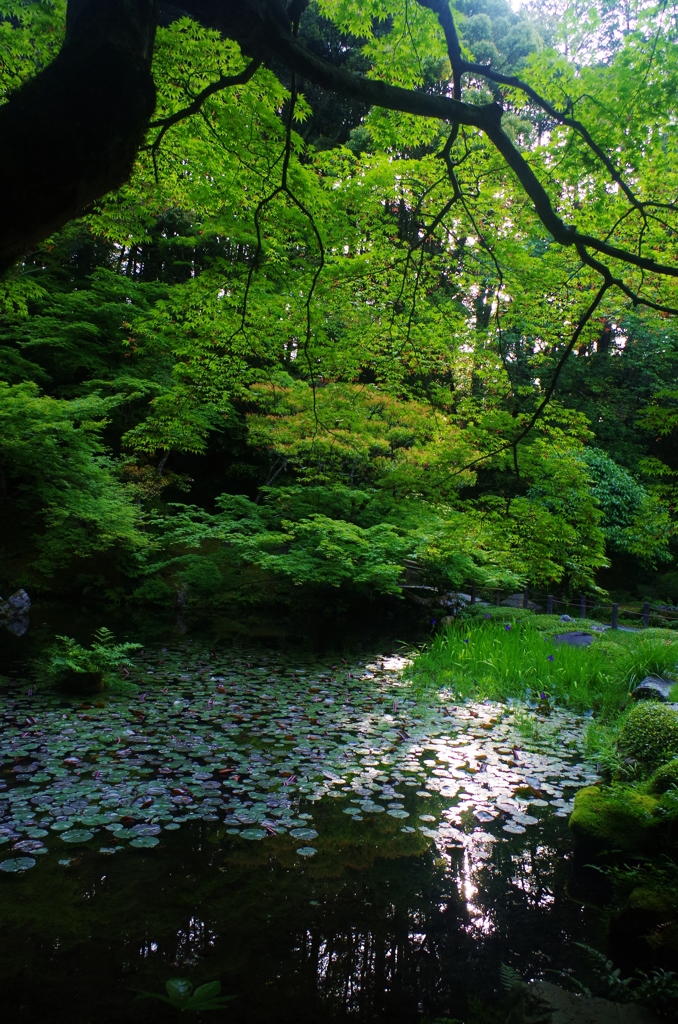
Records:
x=71, y=134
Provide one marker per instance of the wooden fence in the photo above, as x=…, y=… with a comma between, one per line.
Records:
x=582, y=607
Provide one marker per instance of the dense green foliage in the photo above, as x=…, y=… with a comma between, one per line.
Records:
x=283, y=357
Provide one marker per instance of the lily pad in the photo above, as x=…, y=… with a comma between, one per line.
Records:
x=398, y=813
x=514, y=829
x=78, y=835
x=145, y=842
x=253, y=833
x=303, y=833
x=306, y=851
x=17, y=864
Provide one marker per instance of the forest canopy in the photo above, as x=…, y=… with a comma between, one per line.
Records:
x=364, y=285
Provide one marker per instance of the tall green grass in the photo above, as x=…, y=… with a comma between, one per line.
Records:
x=518, y=659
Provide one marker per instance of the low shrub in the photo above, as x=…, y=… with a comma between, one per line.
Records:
x=649, y=734
x=486, y=612
x=665, y=778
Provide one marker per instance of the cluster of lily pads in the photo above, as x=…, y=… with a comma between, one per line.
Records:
x=254, y=745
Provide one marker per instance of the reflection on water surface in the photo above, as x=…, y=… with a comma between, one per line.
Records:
x=437, y=837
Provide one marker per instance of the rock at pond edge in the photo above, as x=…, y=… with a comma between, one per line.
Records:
x=620, y=819
x=544, y=1003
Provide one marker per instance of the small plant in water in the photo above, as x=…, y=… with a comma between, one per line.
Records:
x=68, y=661
x=181, y=996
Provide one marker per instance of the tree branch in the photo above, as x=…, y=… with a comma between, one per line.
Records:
x=224, y=82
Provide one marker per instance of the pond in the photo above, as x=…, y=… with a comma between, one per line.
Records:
x=304, y=830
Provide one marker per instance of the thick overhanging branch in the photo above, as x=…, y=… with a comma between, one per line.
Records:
x=262, y=31
x=72, y=133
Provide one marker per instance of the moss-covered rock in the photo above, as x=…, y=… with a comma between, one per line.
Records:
x=649, y=734
x=646, y=924
x=665, y=778
x=623, y=819
x=618, y=818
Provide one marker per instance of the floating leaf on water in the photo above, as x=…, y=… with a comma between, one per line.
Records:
x=306, y=851
x=253, y=833
x=172, y=826
x=484, y=816
x=303, y=833
x=103, y=849
x=398, y=813
x=17, y=864
x=514, y=829
x=407, y=828
x=78, y=835
x=426, y=817
x=144, y=842
x=65, y=861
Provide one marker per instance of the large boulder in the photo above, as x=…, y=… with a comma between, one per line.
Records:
x=544, y=1003
x=516, y=601
x=14, y=612
x=614, y=820
x=575, y=638
x=654, y=688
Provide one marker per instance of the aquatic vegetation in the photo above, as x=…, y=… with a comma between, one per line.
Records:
x=649, y=734
x=261, y=749
x=182, y=997
x=67, y=662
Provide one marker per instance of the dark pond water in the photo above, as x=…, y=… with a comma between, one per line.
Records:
x=304, y=830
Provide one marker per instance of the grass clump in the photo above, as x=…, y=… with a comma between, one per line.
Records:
x=497, y=658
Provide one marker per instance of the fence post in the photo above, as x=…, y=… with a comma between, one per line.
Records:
x=582, y=607
x=615, y=615
x=526, y=599
x=646, y=614
x=473, y=594
x=549, y=604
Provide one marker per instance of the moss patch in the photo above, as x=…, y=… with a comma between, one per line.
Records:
x=619, y=818
x=665, y=778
